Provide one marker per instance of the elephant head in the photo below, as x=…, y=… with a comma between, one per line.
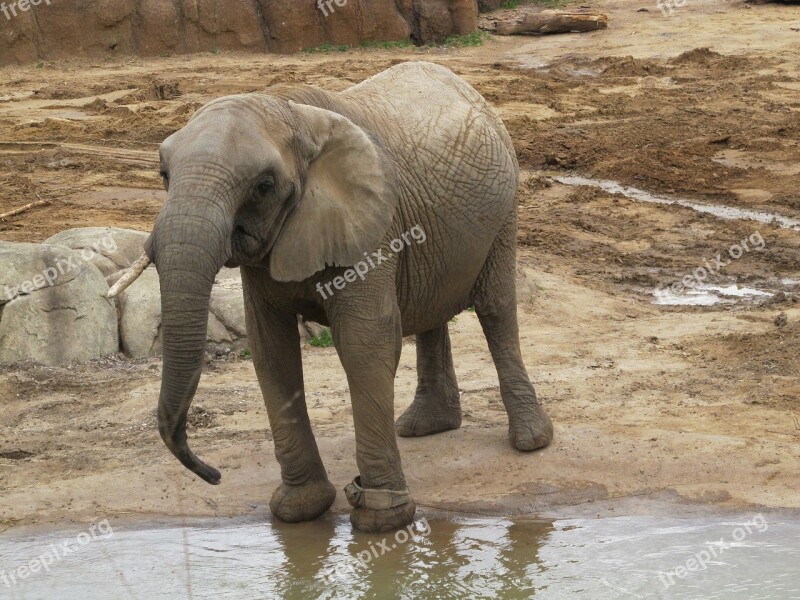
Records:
x=261, y=182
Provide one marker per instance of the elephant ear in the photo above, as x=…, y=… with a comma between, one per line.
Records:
x=348, y=199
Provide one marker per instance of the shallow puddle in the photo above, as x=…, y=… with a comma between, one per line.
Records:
x=709, y=295
x=718, y=210
x=640, y=557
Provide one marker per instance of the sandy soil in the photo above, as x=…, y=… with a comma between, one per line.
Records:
x=656, y=409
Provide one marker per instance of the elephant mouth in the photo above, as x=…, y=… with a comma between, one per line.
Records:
x=252, y=248
x=242, y=232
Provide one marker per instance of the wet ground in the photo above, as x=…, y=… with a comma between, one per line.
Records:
x=748, y=557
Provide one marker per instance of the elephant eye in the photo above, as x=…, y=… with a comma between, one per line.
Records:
x=265, y=186
x=165, y=178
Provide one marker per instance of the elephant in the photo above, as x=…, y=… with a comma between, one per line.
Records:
x=301, y=188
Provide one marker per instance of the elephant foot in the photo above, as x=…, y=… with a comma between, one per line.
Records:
x=530, y=429
x=377, y=510
x=420, y=419
x=370, y=520
x=294, y=503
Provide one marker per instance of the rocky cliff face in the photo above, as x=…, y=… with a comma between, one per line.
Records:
x=33, y=30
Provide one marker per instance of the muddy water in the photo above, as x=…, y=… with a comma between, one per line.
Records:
x=708, y=295
x=718, y=210
x=749, y=556
x=700, y=294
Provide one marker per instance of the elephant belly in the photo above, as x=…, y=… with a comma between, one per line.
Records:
x=436, y=278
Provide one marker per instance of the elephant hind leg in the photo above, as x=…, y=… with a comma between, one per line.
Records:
x=436, y=406
x=496, y=305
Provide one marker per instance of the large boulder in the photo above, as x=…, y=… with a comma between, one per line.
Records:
x=110, y=249
x=63, y=28
x=227, y=303
x=53, y=308
x=140, y=314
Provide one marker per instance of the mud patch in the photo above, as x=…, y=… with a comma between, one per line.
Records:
x=773, y=353
x=15, y=454
x=708, y=59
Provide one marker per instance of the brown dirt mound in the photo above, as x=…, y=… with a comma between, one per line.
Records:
x=773, y=353
x=705, y=57
x=627, y=66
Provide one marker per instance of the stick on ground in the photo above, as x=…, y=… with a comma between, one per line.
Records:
x=22, y=209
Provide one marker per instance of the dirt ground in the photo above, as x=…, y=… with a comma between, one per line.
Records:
x=672, y=409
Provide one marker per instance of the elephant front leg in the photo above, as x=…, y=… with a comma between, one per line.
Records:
x=369, y=345
x=305, y=492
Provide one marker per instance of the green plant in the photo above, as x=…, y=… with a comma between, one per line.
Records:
x=471, y=309
x=476, y=38
x=246, y=354
x=510, y=4
x=327, y=47
x=215, y=51
x=323, y=340
x=386, y=45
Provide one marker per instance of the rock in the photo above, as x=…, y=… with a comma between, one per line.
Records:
x=309, y=329
x=227, y=304
x=490, y=5
x=438, y=19
x=140, y=314
x=781, y=320
x=53, y=308
x=110, y=249
x=55, y=29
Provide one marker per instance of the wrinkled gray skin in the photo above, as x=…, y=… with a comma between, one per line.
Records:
x=296, y=184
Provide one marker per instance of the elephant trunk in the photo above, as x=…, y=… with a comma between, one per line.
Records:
x=189, y=245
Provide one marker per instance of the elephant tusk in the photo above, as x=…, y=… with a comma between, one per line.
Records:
x=130, y=275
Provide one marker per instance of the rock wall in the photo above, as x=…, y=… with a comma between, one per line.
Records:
x=53, y=29
x=54, y=311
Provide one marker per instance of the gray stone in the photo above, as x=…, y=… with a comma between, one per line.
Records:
x=227, y=303
x=140, y=314
x=110, y=249
x=53, y=308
